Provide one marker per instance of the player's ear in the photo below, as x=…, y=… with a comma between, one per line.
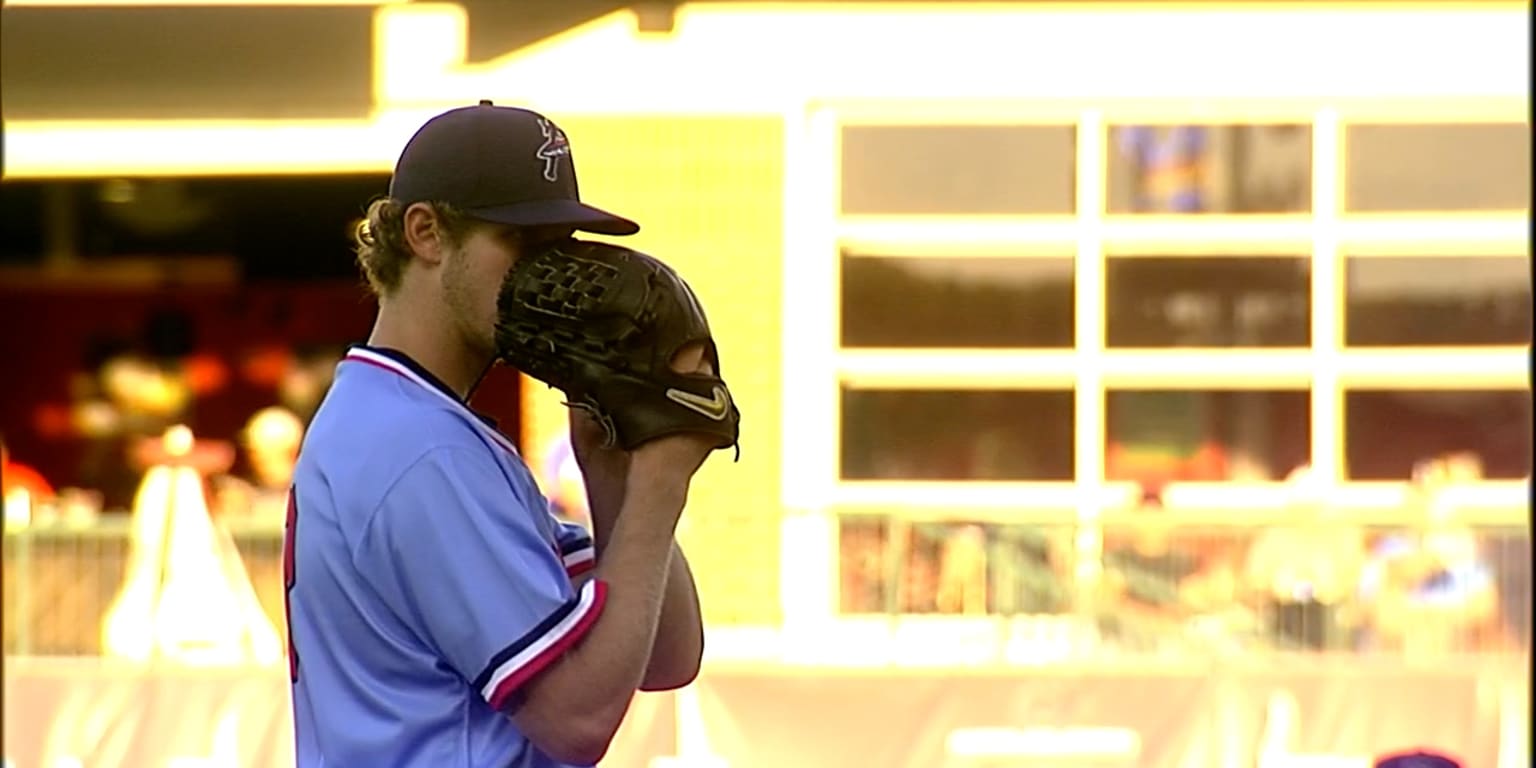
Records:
x=424, y=233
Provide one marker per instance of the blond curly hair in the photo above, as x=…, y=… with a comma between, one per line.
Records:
x=378, y=239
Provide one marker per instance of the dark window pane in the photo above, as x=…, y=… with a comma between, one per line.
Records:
x=1209, y=302
x=1387, y=432
x=975, y=169
x=956, y=435
x=1441, y=300
x=24, y=212
x=1161, y=436
x=167, y=218
x=1210, y=169
x=980, y=302
x=893, y=566
x=1437, y=167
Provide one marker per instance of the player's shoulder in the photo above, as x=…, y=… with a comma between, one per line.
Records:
x=366, y=414
x=376, y=427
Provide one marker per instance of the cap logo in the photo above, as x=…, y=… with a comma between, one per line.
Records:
x=554, y=147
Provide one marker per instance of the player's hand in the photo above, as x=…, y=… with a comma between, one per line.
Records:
x=587, y=443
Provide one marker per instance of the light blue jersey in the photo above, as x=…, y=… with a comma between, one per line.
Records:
x=427, y=580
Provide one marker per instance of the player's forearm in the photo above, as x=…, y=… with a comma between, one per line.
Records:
x=580, y=701
x=679, y=643
x=635, y=566
x=605, y=495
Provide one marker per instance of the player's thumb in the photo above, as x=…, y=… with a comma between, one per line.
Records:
x=690, y=359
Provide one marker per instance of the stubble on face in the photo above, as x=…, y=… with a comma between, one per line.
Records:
x=471, y=301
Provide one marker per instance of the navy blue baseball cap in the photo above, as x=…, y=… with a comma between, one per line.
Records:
x=500, y=164
x=1417, y=759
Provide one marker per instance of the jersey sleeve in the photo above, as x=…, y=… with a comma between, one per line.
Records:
x=456, y=553
x=577, y=551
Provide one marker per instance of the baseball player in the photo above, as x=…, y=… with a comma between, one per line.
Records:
x=438, y=614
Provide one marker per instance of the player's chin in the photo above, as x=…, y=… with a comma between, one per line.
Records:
x=482, y=341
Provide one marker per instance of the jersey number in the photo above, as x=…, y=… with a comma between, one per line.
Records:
x=288, y=535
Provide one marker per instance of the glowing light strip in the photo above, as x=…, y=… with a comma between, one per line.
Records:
x=958, y=369
x=1089, y=285
x=1435, y=233
x=809, y=578
x=940, y=236
x=1507, y=494
x=1435, y=368
x=744, y=46
x=1200, y=235
x=1253, y=368
x=1269, y=110
x=730, y=59
x=1184, y=496
x=1427, y=233
x=1327, y=449
x=1205, y=369
x=1090, y=297
x=193, y=3
x=961, y=500
x=811, y=310
x=1496, y=502
x=179, y=148
x=1493, y=502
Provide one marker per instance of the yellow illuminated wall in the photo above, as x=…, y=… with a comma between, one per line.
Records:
x=708, y=195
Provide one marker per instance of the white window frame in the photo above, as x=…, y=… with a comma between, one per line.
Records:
x=815, y=365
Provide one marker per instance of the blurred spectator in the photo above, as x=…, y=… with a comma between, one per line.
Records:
x=1510, y=555
x=306, y=380
x=952, y=568
x=133, y=398
x=271, y=441
x=1160, y=437
x=22, y=488
x=129, y=392
x=185, y=593
x=863, y=565
x=15, y=476
x=1145, y=574
x=1171, y=165
x=1303, y=574
x=962, y=577
x=1213, y=168
x=1029, y=567
x=918, y=546
x=1428, y=588
x=297, y=377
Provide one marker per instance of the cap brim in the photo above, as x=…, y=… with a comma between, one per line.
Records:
x=557, y=213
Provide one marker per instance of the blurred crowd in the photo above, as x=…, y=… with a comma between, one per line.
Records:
x=120, y=403
x=1316, y=580
x=143, y=419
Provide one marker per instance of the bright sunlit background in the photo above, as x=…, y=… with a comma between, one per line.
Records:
x=1129, y=384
